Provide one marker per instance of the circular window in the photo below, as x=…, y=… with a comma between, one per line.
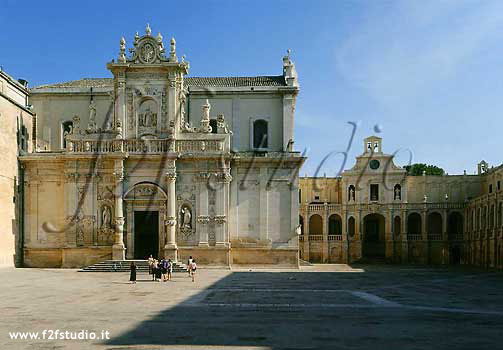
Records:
x=374, y=164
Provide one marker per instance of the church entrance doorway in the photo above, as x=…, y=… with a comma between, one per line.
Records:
x=146, y=234
x=373, y=236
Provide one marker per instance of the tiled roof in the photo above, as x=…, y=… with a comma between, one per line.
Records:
x=278, y=80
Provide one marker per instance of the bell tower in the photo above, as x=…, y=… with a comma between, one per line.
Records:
x=372, y=145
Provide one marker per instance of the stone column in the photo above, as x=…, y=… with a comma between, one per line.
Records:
x=306, y=234
x=425, y=253
x=120, y=117
x=203, y=218
x=403, y=233
x=170, y=248
x=118, y=249
x=324, y=247
x=222, y=238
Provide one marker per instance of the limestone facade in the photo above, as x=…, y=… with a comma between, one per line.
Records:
x=154, y=162
x=375, y=211
x=16, y=120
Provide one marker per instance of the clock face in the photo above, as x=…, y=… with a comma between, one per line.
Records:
x=374, y=164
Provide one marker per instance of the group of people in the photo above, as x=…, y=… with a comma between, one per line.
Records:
x=163, y=270
x=160, y=270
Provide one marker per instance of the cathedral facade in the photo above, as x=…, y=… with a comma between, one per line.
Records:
x=375, y=211
x=154, y=162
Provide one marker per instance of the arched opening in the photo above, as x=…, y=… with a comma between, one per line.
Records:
x=351, y=227
x=414, y=225
x=373, y=236
x=301, y=223
x=434, y=226
x=315, y=225
x=334, y=225
x=455, y=226
x=455, y=255
x=260, y=134
x=397, y=226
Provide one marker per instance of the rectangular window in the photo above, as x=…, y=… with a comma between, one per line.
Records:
x=491, y=188
x=316, y=198
x=374, y=192
x=499, y=185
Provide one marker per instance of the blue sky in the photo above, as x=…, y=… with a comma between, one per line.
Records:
x=429, y=73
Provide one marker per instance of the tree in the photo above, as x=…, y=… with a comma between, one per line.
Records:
x=418, y=168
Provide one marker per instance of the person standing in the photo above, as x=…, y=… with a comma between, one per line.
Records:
x=158, y=270
x=164, y=264
x=132, y=276
x=189, y=263
x=170, y=269
x=151, y=266
x=193, y=268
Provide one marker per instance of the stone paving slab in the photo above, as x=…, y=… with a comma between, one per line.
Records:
x=317, y=307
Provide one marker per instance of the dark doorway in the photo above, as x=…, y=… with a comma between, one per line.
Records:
x=373, y=236
x=146, y=234
x=456, y=255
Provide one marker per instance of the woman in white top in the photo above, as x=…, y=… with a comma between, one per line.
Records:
x=193, y=268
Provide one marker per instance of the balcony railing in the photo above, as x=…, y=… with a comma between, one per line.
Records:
x=335, y=237
x=414, y=237
x=144, y=146
x=434, y=236
x=315, y=237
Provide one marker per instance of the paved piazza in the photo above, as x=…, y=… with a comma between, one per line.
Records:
x=318, y=307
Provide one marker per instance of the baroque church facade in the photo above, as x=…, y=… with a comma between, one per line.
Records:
x=154, y=162
x=375, y=211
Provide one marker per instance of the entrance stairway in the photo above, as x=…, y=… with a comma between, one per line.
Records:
x=123, y=266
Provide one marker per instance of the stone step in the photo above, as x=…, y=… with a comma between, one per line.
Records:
x=124, y=266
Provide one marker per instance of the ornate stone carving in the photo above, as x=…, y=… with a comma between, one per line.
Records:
x=122, y=51
x=205, y=119
x=106, y=217
x=220, y=219
x=222, y=127
x=185, y=217
x=170, y=221
x=170, y=175
x=203, y=219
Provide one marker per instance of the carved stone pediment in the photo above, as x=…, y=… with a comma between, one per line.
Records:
x=146, y=191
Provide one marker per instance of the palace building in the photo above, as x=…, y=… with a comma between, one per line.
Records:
x=375, y=211
x=151, y=161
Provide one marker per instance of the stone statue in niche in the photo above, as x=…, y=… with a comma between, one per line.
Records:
x=185, y=218
x=106, y=217
x=398, y=194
